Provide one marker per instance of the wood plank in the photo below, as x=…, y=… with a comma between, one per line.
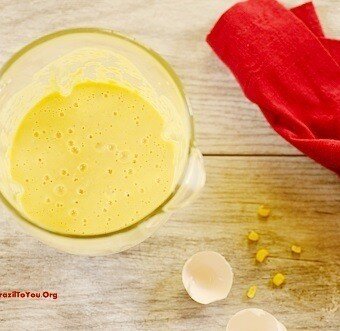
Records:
x=141, y=289
x=226, y=122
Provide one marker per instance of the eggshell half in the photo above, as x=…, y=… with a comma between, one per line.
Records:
x=256, y=319
x=207, y=277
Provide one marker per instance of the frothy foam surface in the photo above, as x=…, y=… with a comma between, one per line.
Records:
x=92, y=162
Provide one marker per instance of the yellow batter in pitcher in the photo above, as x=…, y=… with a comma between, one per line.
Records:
x=93, y=161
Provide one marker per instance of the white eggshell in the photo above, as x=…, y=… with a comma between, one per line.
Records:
x=207, y=277
x=281, y=327
x=254, y=319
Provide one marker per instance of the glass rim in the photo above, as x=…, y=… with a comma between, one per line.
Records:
x=158, y=58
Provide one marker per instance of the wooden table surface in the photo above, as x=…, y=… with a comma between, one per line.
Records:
x=247, y=165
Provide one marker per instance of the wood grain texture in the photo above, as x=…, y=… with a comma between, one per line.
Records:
x=227, y=123
x=141, y=289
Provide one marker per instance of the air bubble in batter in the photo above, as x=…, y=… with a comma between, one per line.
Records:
x=81, y=191
x=60, y=190
x=74, y=150
x=82, y=167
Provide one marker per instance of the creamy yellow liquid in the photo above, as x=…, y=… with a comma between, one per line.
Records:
x=92, y=162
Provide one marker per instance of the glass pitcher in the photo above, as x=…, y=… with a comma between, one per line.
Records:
x=148, y=72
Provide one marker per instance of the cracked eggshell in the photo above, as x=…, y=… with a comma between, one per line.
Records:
x=207, y=277
x=259, y=320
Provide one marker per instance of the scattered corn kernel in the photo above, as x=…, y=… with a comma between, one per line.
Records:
x=296, y=249
x=263, y=211
x=261, y=254
x=251, y=291
x=278, y=279
x=253, y=236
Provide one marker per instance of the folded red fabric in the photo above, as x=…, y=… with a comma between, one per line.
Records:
x=285, y=65
x=307, y=14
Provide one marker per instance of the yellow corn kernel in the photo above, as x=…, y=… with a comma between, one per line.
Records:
x=296, y=249
x=263, y=211
x=251, y=291
x=253, y=236
x=278, y=279
x=261, y=254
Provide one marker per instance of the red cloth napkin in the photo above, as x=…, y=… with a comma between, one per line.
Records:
x=307, y=14
x=285, y=65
